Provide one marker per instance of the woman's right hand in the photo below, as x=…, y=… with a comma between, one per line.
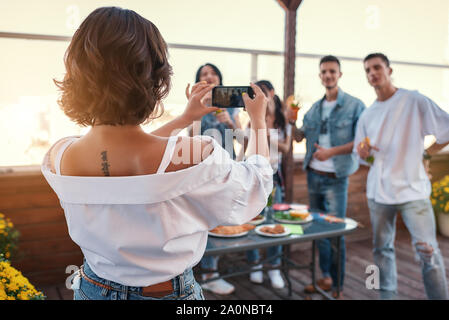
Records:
x=256, y=107
x=196, y=108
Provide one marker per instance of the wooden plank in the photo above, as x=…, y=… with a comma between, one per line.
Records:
x=52, y=245
x=45, y=262
x=66, y=294
x=35, y=215
x=408, y=277
x=43, y=231
x=24, y=183
x=25, y=200
x=51, y=292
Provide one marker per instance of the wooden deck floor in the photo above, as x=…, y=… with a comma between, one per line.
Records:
x=359, y=256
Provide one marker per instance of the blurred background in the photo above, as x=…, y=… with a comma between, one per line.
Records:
x=244, y=39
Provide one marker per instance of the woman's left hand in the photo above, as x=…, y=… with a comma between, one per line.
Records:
x=196, y=108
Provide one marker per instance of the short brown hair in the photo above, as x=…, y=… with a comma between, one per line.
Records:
x=117, y=70
x=377, y=55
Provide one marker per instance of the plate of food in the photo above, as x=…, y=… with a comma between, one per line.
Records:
x=258, y=220
x=272, y=230
x=231, y=231
x=293, y=216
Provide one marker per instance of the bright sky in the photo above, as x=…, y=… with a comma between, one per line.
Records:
x=405, y=30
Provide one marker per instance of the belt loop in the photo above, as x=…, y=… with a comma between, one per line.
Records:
x=181, y=284
x=105, y=291
x=124, y=294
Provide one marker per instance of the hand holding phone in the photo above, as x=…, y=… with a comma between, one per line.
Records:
x=195, y=107
x=256, y=107
x=230, y=96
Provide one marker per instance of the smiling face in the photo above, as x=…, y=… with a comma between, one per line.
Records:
x=378, y=73
x=330, y=74
x=209, y=75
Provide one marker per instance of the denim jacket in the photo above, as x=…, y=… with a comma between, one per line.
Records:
x=343, y=121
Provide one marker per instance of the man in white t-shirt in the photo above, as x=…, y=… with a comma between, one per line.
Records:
x=396, y=124
x=329, y=128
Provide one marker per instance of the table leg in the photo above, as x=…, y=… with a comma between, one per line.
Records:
x=338, y=266
x=313, y=263
x=285, y=267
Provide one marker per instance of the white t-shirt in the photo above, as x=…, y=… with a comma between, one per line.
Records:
x=397, y=127
x=324, y=140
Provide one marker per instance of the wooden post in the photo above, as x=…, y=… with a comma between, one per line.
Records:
x=290, y=7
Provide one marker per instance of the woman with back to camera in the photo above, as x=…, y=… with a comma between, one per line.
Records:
x=139, y=205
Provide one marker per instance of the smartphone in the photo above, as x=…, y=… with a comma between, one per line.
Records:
x=230, y=97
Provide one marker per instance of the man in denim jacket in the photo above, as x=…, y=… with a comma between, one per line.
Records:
x=329, y=128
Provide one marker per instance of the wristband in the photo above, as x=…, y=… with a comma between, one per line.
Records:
x=426, y=155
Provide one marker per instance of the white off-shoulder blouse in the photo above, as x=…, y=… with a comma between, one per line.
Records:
x=146, y=229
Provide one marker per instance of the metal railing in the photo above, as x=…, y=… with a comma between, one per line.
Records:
x=254, y=53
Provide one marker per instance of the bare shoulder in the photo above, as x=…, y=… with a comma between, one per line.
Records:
x=54, y=151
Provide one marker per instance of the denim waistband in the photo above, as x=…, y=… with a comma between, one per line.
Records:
x=180, y=282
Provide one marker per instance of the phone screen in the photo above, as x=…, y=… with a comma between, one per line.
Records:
x=230, y=97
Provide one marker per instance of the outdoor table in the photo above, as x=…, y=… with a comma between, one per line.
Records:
x=312, y=231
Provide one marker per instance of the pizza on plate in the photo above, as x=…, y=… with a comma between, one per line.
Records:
x=229, y=230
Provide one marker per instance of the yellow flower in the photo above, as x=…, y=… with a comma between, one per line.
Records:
x=12, y=287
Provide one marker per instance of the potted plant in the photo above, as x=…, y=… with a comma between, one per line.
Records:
x=440, y=203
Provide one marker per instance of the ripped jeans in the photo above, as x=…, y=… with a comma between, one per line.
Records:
x=419, y=219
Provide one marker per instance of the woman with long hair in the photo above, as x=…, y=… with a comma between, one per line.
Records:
x=140, y=205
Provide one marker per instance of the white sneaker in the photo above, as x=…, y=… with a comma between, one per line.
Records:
x=256, y=276
x=219, y=286
x=276, y=279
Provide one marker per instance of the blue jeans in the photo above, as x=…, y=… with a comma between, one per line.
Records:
x=209, y=263
x=273, y=256
x=329, y=195
x=185, y=288
x=419, y=219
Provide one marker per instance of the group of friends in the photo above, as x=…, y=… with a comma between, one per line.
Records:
x=340, y=134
